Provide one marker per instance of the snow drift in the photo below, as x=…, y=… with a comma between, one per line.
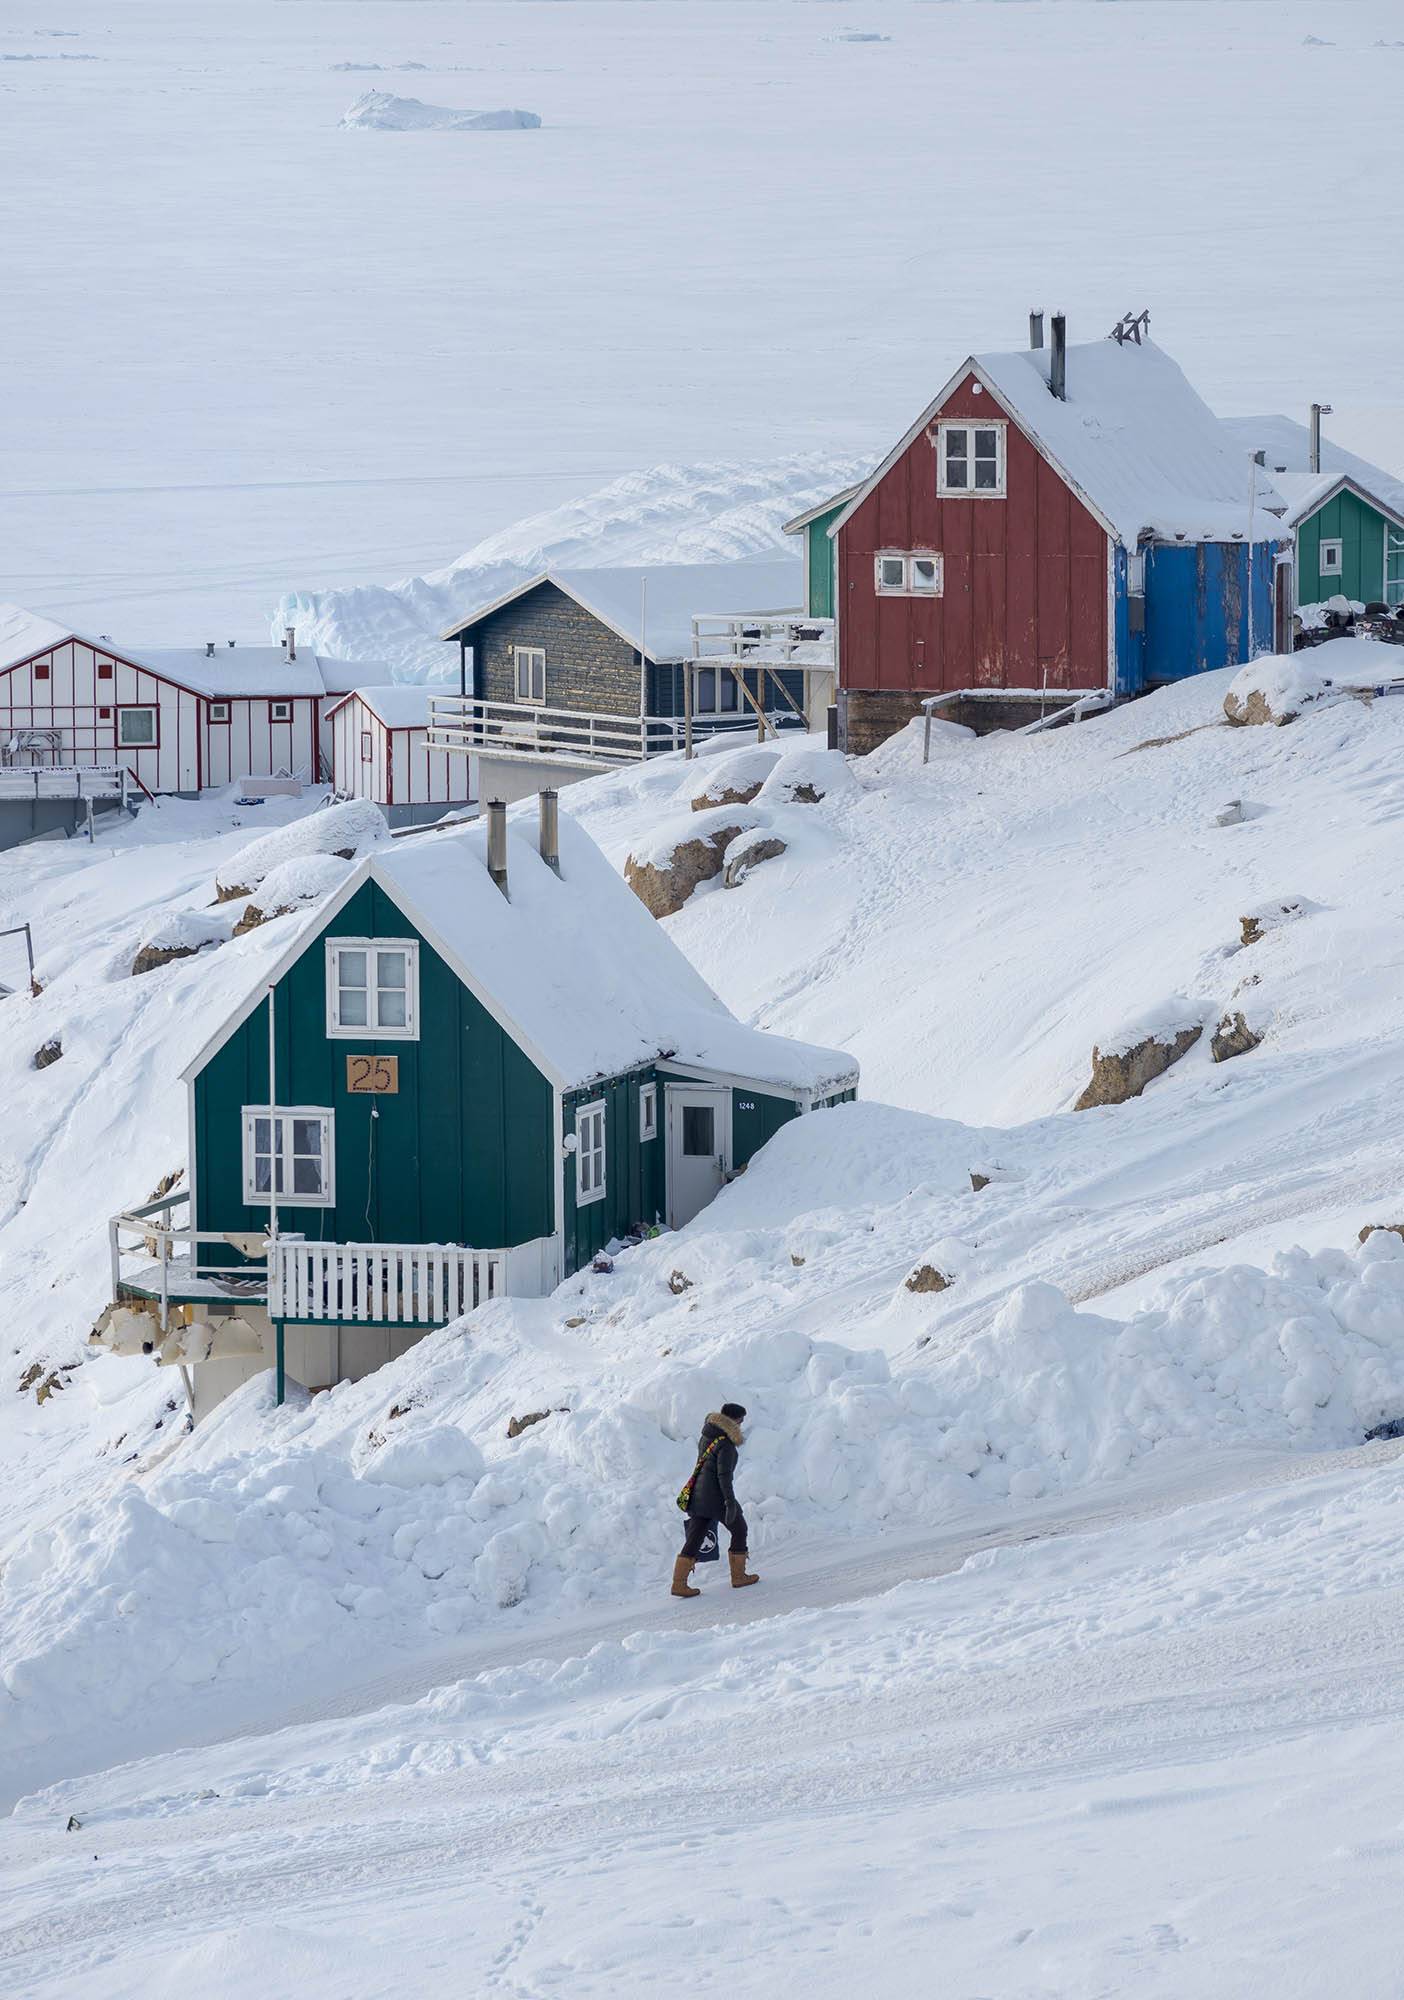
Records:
x=382, y=111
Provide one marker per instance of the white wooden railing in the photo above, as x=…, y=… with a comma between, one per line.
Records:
x=64, y=781
x=555, y=735
x=399, y=1284
x=777, y=639
x=153, y=1234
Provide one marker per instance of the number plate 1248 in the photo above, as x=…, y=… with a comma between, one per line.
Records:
x=378, y=1075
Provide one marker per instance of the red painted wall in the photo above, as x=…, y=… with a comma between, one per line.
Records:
x=1025, y=576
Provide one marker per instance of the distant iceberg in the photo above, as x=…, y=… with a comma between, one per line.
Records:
x=379, y=111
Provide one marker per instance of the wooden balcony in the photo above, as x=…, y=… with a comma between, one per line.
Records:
x=157, y=1256
x=398, y=1284
x=784, y=641
x=570, y=736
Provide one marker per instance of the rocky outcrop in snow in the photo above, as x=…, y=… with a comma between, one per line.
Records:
x=664, y=874
x=1233, y=1037
x=735, y=780
x=1142, y=1052
x=346, y=831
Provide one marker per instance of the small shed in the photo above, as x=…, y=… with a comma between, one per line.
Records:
x=1348, y=515
x=472, y=1070
x=380, y=751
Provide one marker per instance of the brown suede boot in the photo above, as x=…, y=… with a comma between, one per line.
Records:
x=682, y=1570
x=739, y=1574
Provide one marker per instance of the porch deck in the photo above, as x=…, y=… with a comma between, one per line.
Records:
x=186, y=1285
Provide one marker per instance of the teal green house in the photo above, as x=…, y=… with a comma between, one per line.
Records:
x=1347, y=515
x=451, y=1087
x=820, y=551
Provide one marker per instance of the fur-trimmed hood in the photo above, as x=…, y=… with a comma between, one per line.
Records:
x=728, y=1426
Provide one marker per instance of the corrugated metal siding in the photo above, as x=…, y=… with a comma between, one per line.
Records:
x=1197, y=607
x=464, y=1152
x=1025, y=596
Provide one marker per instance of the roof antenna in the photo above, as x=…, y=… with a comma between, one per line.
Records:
x=1134, y=327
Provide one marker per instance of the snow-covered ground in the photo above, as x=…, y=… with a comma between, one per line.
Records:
x=249, y=351
x=1149, y=1305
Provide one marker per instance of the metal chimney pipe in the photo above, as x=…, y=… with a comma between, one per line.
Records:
x=290, y=640
x=1058, y=359
x=550, y=829
x=209, y=649
x=497, y=842
x=1318, y=411
x=1035, y=330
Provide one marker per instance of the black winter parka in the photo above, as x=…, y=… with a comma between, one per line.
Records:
x=712, y=1497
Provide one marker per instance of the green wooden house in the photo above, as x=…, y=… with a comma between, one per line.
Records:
x=1347, y=514
x=460, y=1081
x=820, y=551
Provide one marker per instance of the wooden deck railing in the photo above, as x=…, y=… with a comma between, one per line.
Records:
x=410, y=1284
x=555, y=735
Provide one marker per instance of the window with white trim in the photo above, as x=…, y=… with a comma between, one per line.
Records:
x=918, y=574
x=373, y=988
x=648, y=1111
x=280, y=711
x=714, y=692
x=590, y=1153
x=970, y=460
x=219, y=711
x=1332, y=556
x=136, y=728
x=529, y=670
x=289, y=1153
x=367, y=747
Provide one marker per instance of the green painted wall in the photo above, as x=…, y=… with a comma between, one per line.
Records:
x=820, y=559
x=634, y=1169
x=1361, y=532
x=463, y=1153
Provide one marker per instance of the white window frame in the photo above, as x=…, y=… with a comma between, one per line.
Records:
x=648, y=1113
x=372, y=1030
x=969, y=425
x=1394, y=559
x=219, y=711
x=287, y=711
x=256, y=1198
x=533, y=659
x=1335, y=546
x=908, y=558
x=591, y=1154
x=150, y=708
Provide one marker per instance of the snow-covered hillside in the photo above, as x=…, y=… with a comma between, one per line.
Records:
x=1140, y=1304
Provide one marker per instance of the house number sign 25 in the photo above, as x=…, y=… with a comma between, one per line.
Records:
x=377, y=1076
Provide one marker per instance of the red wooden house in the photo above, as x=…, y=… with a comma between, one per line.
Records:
x=1057, y=521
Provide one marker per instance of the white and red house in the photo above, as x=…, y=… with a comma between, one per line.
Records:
x=380, y=751
x=182, y=720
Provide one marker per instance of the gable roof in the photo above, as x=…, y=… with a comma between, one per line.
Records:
x=1305, y=492
x=661, y=625
x=1287, y=445
x=813, y=513
x=575, y=969
x=398, y=704
x=1137, y=444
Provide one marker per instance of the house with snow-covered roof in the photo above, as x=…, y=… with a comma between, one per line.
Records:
x=175, y=719
x=1346, y=514
x=380, y=750
x=472, y=1069
x=575, y=670
x=1061, y=523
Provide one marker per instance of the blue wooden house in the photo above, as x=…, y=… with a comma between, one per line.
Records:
x=475, y=1067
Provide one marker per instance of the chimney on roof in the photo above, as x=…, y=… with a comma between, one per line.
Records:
x=209, y=649
x=230, y=644
x=550, y=829
x=1035, y=330
x=497, y=842
x=1318, y=411
x=1058, y=358
x=290, y=641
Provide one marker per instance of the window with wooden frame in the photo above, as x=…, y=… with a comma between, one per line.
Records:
x=970, y=461
x=367, y=747
x=1331, y=556
x=914, y=573
x=648, y=1111
x=41, y=670
x=136, y=728
x=529, y=672
x=280, y=711
x=289, y=1154
x=373, y=989
x=104, y=670
x=715, y=692
x=590, y=1153
x=104, y=715
x=219, y=711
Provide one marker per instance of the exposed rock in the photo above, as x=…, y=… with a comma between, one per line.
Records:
x=254, y=916
x=230, y=892
x=48, y=1053
x=665, y=885
x=1375, y=1228
x=1124, y=1073
x=796, y=1259
x=804, y=777
x=678, y=1283
x=978, y=1181
x=1392, y=1428
x=167, y=1181
x=516, y=1425
x=926, y=1278
x=747, y=853
x=1254, y=707
x=1233, y=1037
x=32, y=1374
x=152, y=955
x=1271, y=917
x=727, y=795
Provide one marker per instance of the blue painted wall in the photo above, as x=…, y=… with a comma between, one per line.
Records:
x=1197, y=611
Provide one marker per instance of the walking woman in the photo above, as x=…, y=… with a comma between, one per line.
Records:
x=709, y=1498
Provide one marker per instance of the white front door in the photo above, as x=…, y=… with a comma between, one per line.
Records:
x=699, y=1147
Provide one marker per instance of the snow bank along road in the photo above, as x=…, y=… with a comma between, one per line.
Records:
x=1160, y=1760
